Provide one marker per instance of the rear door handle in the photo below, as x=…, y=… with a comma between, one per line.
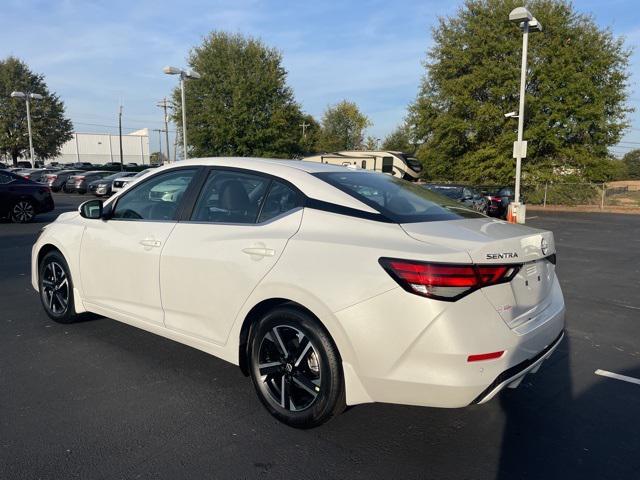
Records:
x=259, y=251
x=150, y=242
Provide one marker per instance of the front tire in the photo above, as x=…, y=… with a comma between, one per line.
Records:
x=56, y=288
x=295, y=368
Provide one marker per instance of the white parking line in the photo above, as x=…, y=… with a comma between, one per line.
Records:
x=624, y=378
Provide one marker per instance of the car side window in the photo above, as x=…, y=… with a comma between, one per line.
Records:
x=230, y=197
x=280, y=199
x=156, y=199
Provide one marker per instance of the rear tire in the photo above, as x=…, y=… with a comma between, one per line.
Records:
x=295, y=368
x=56, y=288
x=23, y=211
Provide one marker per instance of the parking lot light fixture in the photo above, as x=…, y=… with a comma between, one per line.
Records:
x=28, y=96
x=184, y=74
x=527, y=22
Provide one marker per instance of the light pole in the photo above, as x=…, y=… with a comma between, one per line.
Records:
x=184, y=74
x=28, y=96
x=164, y=105
x=527, y=23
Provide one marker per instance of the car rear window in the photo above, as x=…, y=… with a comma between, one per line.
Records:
x=398, y=200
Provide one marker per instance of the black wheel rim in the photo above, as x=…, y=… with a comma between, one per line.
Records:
x=23, y=211
x=55, y=288
x=289, y=368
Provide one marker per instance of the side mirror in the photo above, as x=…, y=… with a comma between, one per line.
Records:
x=91, y=209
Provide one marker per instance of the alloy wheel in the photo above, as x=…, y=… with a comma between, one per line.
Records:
x=23, y=211
x=289, y=368
x=55, y=288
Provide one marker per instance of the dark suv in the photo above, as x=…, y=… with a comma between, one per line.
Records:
x=499, y=199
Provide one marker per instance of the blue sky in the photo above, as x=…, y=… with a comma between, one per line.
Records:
x=94, y=53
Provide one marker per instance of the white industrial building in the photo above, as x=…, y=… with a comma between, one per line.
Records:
x=100, y=148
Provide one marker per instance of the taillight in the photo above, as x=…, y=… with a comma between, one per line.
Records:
x=447, y=282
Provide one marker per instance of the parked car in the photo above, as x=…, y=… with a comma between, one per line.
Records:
x=121, y=183
x=464, y=194
x=36, y=174
x=21, y=199
x=83, y=165
x=498, y=201
x=24, y=164
x=79, y=183
x=57, y=180
x=102, y=186
x=328, y=286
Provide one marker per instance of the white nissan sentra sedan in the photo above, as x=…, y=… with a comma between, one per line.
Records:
x=328, y=286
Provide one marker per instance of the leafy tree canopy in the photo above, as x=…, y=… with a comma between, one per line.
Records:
x=242, y=105
x=343, y=127
x=400, y=139
x=50, y=128
x=632, y=163
x=575, y=94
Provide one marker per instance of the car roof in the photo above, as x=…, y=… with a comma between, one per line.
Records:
x=256, y=163
x=298, y=172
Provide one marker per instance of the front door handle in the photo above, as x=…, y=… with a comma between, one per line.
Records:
x=150, y=242
x=259, y=251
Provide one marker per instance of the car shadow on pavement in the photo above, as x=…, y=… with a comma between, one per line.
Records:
x=564, y=433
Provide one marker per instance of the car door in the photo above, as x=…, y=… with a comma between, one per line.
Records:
x=5, y=194
x=120, y=257
x=239, y=227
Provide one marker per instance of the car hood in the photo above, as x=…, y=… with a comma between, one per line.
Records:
x=486, y=240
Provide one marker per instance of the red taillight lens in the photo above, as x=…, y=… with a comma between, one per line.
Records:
x=445, y=281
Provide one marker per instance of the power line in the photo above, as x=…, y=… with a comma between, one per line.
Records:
x=110, y=126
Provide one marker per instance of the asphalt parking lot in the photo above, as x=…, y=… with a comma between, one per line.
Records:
x=100, y=399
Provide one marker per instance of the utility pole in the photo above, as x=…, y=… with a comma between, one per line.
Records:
x=304, y=126
x=120, y=134
x=160, y=143
x=164, y=104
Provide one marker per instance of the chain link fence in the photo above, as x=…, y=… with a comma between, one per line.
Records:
x=614, y=194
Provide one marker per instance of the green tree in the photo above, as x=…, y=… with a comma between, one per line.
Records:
x=49, y=126
x=311, y=136
x=242, y=105
x=575, y=93
x=371, y=143
x=343, y=127
x=400, y=140
x=632, y=162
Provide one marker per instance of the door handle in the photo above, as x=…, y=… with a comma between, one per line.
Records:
x=259, y=252
x=150, y=242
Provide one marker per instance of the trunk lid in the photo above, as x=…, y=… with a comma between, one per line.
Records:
x=491, y=241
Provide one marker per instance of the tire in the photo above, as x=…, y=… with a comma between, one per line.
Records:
x=295, y=368
x=23, y=211
x=56, y=288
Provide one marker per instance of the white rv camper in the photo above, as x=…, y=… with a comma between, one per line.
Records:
x=394, y=163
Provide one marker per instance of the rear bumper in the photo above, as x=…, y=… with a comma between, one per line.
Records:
x=46, y=205
x=514, y=375
x=411, y=350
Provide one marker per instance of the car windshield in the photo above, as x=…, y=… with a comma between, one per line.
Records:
x=399, y=200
